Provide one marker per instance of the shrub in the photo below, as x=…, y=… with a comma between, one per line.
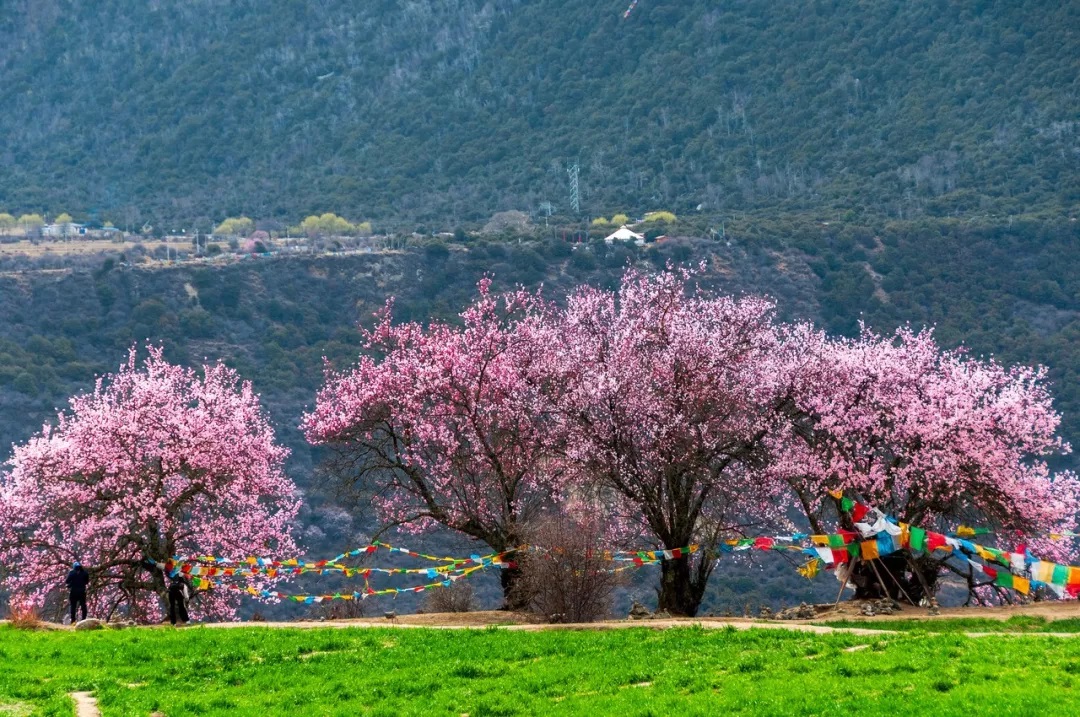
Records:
x=338, y=610
x=459, y=597
x=25, y=616
x=568, y=580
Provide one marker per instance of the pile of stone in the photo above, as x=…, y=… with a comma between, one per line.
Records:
x=802, y=612
x=884, y=606
x=640, y=612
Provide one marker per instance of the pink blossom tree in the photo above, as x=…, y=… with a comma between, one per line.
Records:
x=930, y=436
x=448, y=426
x=159, y=460
x=668, y=398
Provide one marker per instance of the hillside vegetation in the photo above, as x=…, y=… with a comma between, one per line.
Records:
x=442, y=113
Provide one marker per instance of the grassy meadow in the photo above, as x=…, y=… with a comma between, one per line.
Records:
x=1015, y=624
x=682, y=671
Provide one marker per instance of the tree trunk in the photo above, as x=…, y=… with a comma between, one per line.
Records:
x=514, y=598
x=895, y=578
x=680, y=589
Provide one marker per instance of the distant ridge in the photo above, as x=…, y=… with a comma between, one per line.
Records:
x=444, y=112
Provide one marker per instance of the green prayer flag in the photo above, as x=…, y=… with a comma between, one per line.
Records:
x=918, y=539
x=846, y=504
x=1061, y=575
x=836, y=541
x=1004, y=579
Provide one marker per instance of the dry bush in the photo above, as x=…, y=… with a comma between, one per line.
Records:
x=24, y=616
x=567, y=580
x=459, y=597
x=338, y=610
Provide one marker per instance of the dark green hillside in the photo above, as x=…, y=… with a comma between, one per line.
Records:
x=444, y=112
x=274, y=319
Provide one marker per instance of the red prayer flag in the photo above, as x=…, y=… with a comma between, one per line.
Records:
x=859, y=512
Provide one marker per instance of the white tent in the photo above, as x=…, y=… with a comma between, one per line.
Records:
x=623, y=234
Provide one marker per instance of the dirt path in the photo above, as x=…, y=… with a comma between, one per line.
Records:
x=85, y=704
x=1050, y=611
x=851, y=612
x=593, y=626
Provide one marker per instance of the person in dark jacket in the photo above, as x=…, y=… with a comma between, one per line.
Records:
x=179, y=594
x=76, y=581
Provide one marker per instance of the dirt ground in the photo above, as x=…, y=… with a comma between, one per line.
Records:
x=845, y=611
x=1050, y=611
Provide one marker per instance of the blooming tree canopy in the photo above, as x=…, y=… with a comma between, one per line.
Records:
x=926, y=434
x=158, y=461
x=684, y=418
x=667, y=400
x=448, y=427
x=932, y=437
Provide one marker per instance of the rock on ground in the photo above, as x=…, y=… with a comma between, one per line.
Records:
x=90, y=623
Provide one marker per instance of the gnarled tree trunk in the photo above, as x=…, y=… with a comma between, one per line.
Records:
x=682, y=585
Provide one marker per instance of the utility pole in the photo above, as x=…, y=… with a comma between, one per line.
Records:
x=575, y=196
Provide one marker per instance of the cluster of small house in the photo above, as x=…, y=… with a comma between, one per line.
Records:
x=68, y=230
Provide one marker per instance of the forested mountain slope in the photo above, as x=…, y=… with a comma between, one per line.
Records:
x=447, y=111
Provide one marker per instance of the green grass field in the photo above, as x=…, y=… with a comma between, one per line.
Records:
x=1015, y=624
x=684, y=671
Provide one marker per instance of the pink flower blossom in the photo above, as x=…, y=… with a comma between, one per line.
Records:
x=157, y=461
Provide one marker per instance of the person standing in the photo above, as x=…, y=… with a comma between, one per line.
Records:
x=179, y=594
x=76, y=581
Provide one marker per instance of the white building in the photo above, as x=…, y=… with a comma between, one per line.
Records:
x=67, y=229
x=624, y=234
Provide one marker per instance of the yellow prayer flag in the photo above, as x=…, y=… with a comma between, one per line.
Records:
x=1021, y=585
x=1043, y=571
x=810, y=569
x=869, y=550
